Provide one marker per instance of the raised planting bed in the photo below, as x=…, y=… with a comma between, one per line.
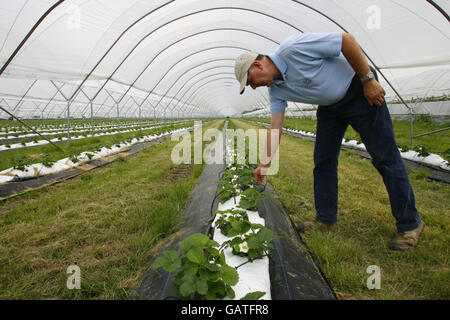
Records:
x=436, y=167
x=232, y=263
x=240, y=257
x=26, y=170
x=61, y=136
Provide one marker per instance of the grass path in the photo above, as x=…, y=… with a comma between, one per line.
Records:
x=366, y=225
x=107, y=221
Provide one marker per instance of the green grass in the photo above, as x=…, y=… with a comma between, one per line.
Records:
x=438, y=143
x=366, y=226
x=108, y=221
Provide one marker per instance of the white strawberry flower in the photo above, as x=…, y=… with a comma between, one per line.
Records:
x=243, y=247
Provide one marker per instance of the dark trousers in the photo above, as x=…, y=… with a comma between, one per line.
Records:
x=374, y=125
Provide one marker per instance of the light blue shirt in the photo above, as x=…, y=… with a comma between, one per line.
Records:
x=313, y=68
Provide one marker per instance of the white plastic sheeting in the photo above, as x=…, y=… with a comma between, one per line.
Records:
x=175, y=58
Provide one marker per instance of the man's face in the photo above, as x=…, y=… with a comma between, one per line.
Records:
x=258, y=76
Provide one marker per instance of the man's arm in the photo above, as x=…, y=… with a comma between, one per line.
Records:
x=276, y=123
x=373, y=91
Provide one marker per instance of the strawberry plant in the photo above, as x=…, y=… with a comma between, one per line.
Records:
x=422, y=150
x=249, y=199
x=403, y=147
x=89, y=155
x=253, y=295
x=48, y=160
x=202, y=269
x=21, y=162
x=238, y=177
x=253, y=245
x=447, y=155
x=233, y=222
x=226, y=190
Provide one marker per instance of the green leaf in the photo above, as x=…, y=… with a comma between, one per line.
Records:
x=222, y=258
x=249, y=199
x=265, y=234
x=236, y=241
x=229, y=275
x=209, y=275
x=158, y=263
x=202, y=286
x=211, y=295
x=253, y=295
x=190, y=270
x=254, y=254
x=212, y=267
x=170, y=262
x=230, y=292
x=187, y=288
x=198, y=240
x=213, y=252
x=196, y=255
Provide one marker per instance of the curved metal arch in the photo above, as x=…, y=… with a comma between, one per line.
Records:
x=209, y=30
x=258, y=97
x=180, y=100
x=209, y=69
x=237, y=29
x=178, y=79
x=213, y=75
x=174, y=43
x=189, y=100
x=36, y=25
x=437, y=7
x=201, y=96
x=165, y=24
x=200, y=51
x=204, y=104
x=192, y=96
x=185, y=82
x=198, y=82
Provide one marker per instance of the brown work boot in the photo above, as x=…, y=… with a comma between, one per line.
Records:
x=406, y=240
x=314, y=225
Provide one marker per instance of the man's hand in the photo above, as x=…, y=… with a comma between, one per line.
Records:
x=259, y=173
x=373, y=92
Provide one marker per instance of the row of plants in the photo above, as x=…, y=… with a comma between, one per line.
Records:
x=49, y=131
x=438, y=143
x=13, y=125
x=48, y=155
x=80, y=135
x=201, y=264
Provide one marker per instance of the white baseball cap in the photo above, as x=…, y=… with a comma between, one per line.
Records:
x=241, y=67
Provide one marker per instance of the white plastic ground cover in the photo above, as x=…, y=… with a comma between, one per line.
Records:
x=43, y=142
x=74, y=129
x=253, y=276
x=432, y=159
x=38, y=169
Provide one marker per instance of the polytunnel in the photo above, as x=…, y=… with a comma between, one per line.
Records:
x=175, y=58
x=120, y=77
